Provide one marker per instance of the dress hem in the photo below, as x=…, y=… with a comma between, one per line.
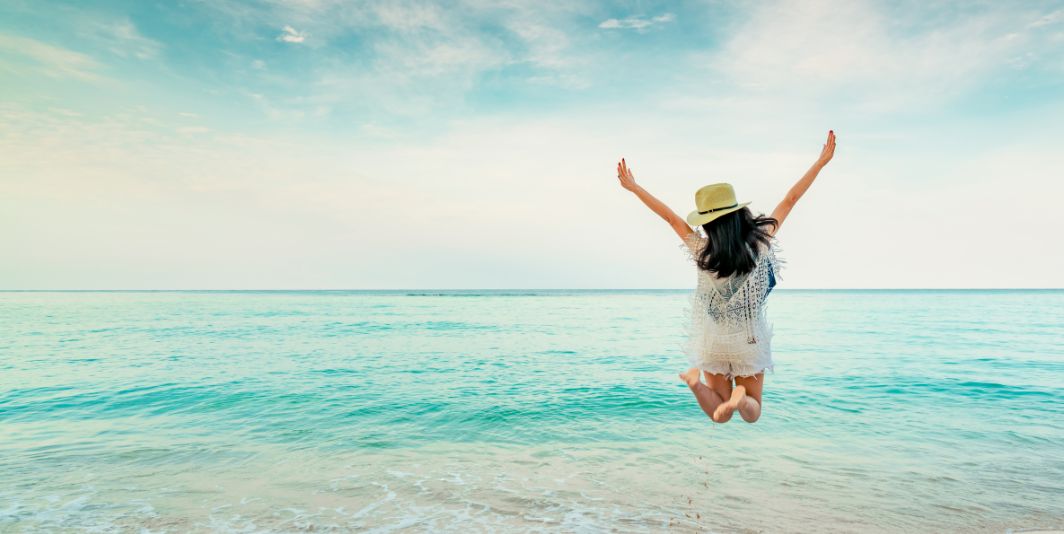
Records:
x=727, y=372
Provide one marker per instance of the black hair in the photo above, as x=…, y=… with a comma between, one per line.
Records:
x=734, y=242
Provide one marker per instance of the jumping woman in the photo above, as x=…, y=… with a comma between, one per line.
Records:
x=729, y=338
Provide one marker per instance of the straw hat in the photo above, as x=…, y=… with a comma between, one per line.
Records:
x=711, y=202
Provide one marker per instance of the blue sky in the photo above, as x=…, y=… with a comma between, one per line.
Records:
x=326, y=144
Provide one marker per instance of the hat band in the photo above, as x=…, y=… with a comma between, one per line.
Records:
x=718, y=209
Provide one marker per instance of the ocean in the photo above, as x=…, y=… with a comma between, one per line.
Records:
x=544, y=411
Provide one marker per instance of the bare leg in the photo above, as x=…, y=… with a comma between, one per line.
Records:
x=719, y=383
x=708, y=399
x=725, y=409
x=750, y=407
x=723, y=386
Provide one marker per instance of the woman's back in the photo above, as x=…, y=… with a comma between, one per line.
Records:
x=729, y=332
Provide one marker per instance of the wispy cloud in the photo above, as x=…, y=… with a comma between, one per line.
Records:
x=408, y=17
x=1049, y=19
x=414, y=56
x=636, y=23
x=861, y=53
x=291, y=35
x=50, y=60
x=120, y=37
x=193, y=130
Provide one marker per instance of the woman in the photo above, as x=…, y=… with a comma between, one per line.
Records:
x=737, y=268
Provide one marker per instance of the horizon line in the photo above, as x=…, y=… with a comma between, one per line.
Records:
x=585, y=289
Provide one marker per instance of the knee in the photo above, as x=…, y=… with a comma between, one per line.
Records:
x=752, y=415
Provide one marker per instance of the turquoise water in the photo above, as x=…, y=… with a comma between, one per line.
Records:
x=889, y=411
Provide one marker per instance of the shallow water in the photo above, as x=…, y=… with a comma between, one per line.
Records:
x=287, y=411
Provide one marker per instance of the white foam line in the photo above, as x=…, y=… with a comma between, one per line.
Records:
x=373, y=506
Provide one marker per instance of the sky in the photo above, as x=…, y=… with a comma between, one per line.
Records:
x=320, y=144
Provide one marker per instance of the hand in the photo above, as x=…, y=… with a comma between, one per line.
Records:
x=828, y=151
x=624, y=174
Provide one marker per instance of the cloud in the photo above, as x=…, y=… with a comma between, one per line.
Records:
x=193, y=130
x=1049, y=19
x=291, y=35
x=401, y=84
x=120, y=37
x=864, y=56
x=410, y=17
x=636, y=23
x=52, y=61
x=85, y=28
x=320, y=197
x=415, y=57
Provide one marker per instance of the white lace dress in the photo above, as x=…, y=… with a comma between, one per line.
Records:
x=729, y=334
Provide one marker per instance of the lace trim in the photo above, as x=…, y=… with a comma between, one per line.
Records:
x=692, y=244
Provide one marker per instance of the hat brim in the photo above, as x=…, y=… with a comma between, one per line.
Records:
x=698, y=219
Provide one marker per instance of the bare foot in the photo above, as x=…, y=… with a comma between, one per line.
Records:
x=692, y=377
x=728, y=407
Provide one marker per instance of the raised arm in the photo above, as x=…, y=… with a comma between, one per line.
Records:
x=799, y=189
x=624, y=174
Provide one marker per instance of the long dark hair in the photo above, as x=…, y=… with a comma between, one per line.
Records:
x=734, y=242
